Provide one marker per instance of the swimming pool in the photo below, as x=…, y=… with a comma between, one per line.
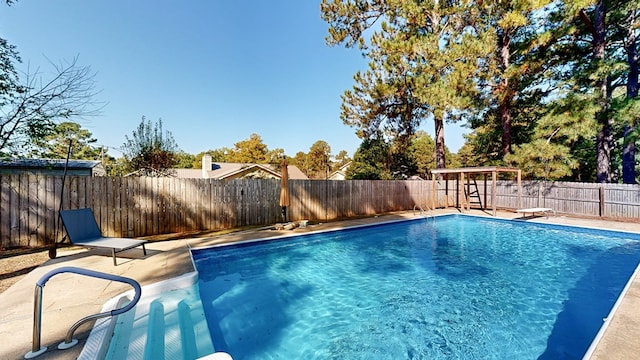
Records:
x=457, y=287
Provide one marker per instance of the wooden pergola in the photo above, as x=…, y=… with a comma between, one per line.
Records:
x=468, y=173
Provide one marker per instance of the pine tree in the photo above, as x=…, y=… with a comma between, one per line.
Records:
x=55, y=145
x=251, y=150
x=513, y=70
x=424, y=60
x=627, y=33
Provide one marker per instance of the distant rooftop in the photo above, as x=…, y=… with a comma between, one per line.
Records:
x=49, y=163
x=222, y=170
x=52, y=167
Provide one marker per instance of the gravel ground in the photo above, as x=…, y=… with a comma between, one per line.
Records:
x=14, y=266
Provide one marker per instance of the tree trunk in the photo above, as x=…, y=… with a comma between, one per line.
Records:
x=439, y=153
x=505, y=97
x=629, y=150
x=628, y=157
x=505, y=119
x=605, y=136
x=603, y=151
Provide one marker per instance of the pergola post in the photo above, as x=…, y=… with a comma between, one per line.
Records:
x=433, y=192
x=467, y=195
x=519, y=189
x=494, y=187
x=463, y=198
x=486, y=205
x=458, y=191
x=446, y=191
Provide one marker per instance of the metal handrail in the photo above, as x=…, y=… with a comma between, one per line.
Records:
x=426, y=214
x=36, y=349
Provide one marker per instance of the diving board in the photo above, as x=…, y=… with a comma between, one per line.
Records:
x=533, y=211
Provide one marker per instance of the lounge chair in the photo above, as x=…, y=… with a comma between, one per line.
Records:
x=533, y=211
x=83, y=230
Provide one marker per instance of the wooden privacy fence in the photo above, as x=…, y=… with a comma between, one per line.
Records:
x=133, y=207
x=588, y=199
x=141, y=206
x=582, y=199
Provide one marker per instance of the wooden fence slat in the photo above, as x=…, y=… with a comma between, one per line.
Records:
x=158, y=207
x=23, y=217
x=36, y=219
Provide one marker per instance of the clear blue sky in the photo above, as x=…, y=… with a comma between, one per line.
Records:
x=215, y=71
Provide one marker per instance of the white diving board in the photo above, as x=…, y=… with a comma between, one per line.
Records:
x=533, y=211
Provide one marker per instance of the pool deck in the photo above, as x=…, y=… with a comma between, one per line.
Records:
x=69, y=297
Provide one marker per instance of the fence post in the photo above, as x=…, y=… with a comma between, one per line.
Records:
x=602, y=200
x=540, y=191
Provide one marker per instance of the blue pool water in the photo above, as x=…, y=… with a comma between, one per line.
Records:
x=458, y=288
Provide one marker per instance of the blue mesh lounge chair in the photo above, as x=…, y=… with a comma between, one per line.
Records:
x=83, y=230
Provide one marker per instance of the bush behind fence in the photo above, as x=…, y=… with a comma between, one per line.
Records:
x=141, y=206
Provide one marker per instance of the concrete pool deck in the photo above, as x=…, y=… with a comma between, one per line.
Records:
x=70, y=297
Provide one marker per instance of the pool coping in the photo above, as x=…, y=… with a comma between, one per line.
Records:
x=68, y=298
x=606, y=321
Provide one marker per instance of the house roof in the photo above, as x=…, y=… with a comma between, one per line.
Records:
x=341, y=173
x=295, y=173
x=230, y=170
x=235, y=170
x=337, y=175
x=49, y=163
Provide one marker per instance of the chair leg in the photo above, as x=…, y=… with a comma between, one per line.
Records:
x=144, y=250
x=113, y=253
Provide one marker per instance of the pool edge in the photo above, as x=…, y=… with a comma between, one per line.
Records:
x=614, y=310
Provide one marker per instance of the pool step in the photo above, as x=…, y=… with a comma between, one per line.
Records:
x=154, y=347
x=171, y=326
x=167, y=323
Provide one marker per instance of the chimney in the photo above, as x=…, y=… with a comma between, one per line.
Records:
x=206, y=166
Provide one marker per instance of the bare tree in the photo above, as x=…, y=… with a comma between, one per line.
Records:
x=30, y=110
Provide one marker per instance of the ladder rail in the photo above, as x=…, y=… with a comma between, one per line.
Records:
x=469, y=193
x=37, y=349
x=426, y=214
